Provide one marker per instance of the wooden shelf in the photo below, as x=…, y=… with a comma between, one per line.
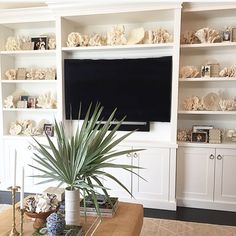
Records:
x=28, y=52
x=211, y=79
x=207, y=112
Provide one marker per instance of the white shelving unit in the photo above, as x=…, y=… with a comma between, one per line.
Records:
x=203, y=169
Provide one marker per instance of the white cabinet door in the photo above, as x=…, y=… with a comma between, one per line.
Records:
x=155, y=164
x=122, y=175
x=225, y=175
x=195, y=173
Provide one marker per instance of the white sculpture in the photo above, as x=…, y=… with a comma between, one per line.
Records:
x=116, y=36
x=11, y=74
x=15, y=129
x=211, y=102
x=13, y=44
x=207, y=35
x=148, y=37
x=136, y=36
x=52, y=43
x=188, y=72
x=75, y=39
x=8, y=102
x=157, y=36
x=97, y=40
x=188, y=37
x=47, y=101
x=228, y=71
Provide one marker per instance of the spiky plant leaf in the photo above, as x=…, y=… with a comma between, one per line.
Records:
x=81, y=161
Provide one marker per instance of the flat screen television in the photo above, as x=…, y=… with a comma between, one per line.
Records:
x=140, y=89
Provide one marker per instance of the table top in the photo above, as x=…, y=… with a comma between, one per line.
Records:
x=126, y=222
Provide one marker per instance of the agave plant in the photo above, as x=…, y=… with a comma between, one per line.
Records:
x=81, y=161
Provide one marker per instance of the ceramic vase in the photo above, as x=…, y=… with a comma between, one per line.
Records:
x=72, y=206
x=55, y=224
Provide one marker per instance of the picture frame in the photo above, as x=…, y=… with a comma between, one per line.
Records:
x=226, y=37
x=233, y=34
x=199, y=137
x=32, y=102
x=203, y=128
x=206, y=71
x=48, y=129
x=21, y=74
x=40, y=42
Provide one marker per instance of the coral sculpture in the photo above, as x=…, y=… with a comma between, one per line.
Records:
x=97, y=40
x=11, y=74
x=116, y=36
x=136, y=36
x=76, y=39
x=208, y=35
x=8, y=102
x=47, y=101
x=13, y=44
x=188, y=72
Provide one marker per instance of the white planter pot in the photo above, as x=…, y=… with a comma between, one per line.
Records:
x=72, y=206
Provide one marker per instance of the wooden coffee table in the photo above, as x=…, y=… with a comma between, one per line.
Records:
x=127, y=221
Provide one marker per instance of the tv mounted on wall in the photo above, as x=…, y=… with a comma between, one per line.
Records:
x=140, y=89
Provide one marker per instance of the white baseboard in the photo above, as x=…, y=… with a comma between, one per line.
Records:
x=221, y=206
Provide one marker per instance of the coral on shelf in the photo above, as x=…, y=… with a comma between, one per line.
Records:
x=116, y=36
x=208, y=35
x=188, y=72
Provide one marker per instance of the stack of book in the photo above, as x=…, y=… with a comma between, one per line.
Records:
x=105, y=208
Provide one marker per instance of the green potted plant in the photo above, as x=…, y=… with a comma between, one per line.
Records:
x=80, y=161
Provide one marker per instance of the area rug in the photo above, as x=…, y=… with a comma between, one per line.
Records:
x=4, y=207
x=160, y=227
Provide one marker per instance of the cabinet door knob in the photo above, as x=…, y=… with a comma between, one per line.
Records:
x=29, y=147
x=128, y=154
x=219, y=157
x=135, y=155
x=211, y=156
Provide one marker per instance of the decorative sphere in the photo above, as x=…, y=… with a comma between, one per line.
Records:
x=55, y=224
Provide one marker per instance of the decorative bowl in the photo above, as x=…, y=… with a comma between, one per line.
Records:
x=40, y=218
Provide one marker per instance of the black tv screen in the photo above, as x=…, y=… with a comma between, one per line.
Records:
x=140, y=89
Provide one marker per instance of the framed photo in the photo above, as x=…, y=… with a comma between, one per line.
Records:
x=234, y=35
x=203, y=128
x=32, y=102
x=226, y=37
x=40, y=43
x=49, y=129
x=199, y=137
x=206, y=71
x=21, y=74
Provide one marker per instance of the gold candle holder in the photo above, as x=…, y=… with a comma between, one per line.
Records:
x=13, y=193
x=22, y=211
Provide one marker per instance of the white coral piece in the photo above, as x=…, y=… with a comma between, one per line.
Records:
x=207, y=35
x=8, y=102
x=96, y=40
x=15, y=128
x=47, y=101
x=116, y=36
x=52, y=43
x=13, y=44
x=11, y=74
x=76, y=39
x=136, y=36
x=188, y=72
x=211, y=102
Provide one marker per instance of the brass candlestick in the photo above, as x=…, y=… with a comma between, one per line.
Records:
x=22, y=211
x=13, y=193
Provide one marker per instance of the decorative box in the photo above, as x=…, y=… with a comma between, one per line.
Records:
x=214, y=136
x=59, y=192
